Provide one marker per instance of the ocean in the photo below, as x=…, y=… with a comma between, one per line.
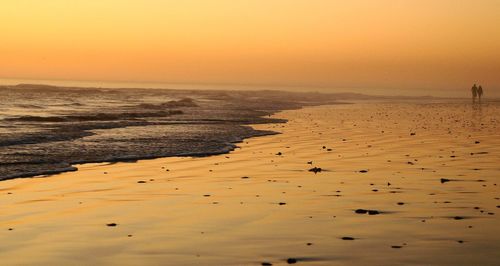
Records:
x=47, y=129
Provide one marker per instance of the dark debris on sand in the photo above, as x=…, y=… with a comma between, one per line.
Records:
x=370, y=212
x=315, y=170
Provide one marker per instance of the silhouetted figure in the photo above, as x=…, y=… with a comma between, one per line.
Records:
x=474, y=93
x=480, y=92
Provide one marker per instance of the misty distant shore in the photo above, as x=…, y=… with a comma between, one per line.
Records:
x=347, y=92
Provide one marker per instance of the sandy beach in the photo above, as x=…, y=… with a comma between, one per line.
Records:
x=400, y=184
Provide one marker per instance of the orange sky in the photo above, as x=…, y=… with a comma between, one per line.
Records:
x=372, y=44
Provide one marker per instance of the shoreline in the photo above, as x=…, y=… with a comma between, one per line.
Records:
x=230, y=146
x=92, y=125
x=74, y=166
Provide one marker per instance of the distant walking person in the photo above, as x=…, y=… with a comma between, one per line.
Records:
x=474, y=93
x=480, y=92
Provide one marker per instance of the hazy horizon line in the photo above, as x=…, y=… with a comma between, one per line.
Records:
x=20, y=80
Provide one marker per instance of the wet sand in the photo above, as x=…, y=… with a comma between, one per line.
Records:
x=413, y=184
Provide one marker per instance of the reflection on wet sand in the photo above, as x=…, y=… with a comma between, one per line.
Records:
x=400, y=183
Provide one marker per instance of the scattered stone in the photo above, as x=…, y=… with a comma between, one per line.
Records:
x=245, y=177
x=401, y=203
x=291, y=261
x=396, y=246
x=458, y=218
x=266, y=264
x=348, y=238
x=363, y=171
x=141, y=182
x=444, y=180
x=282, y=203
x=315, y=170
x=112, y=224
x=370, y=212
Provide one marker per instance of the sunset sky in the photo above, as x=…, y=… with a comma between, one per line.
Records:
x=424, y=44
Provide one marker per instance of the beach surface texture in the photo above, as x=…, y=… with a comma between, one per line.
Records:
x=351, y=184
